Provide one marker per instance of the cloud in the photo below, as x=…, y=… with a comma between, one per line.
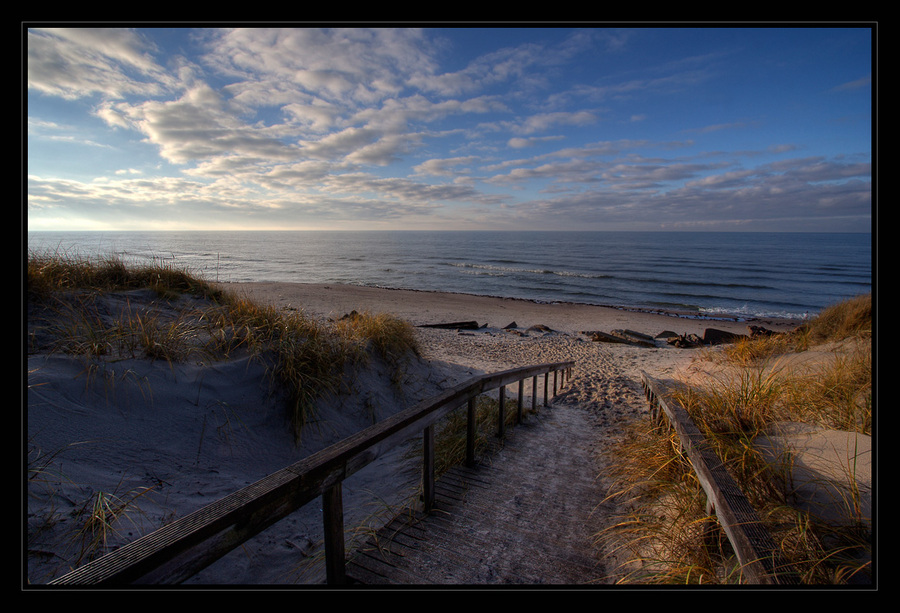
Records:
x=367, y=124
x=446, y=167
x=197, y=126
x=861, y=83
x=347, y=66
x=80, y=62
x=522, y=143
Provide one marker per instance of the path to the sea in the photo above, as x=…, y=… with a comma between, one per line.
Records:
x=528, y=514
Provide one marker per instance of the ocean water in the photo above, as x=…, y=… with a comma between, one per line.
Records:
x=740, y=275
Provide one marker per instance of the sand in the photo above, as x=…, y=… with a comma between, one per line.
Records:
x=178, y=436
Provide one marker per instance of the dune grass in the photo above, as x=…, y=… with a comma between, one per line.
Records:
x=307, y=359
x=451, y=438
x=50, y=272
x=669, y=534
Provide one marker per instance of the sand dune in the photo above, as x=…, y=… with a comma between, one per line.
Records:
x=190, y=433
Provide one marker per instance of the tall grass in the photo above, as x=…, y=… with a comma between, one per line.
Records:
x=307, y=359
x=758, y=382
x=51, y=272
x=451, y=437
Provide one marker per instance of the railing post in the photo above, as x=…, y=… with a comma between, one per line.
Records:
x=470, y=432
x=555, y=385
x=428, y=469
x=534, y=393
x=333, y=519
x=519, y=401
x=501, y=420
x=546, y=382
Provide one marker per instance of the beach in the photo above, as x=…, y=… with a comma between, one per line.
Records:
x=428, y=307
x=186, y=434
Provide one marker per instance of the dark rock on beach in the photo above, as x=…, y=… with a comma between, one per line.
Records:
x=712, y=336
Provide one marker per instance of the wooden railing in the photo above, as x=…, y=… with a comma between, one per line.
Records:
x=182, y=548
x=754, y=547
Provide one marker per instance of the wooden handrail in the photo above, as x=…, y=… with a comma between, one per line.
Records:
x=760, y=559
x=179, y=550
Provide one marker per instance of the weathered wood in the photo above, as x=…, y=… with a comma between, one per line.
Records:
x=470, y=432
x=182, y=548
x=627, y=337
x=519, y=400
x=757, y=553
x=635, y=334
x=454, y=325
x=333, y=520
x=525, y=514
x=428, y=469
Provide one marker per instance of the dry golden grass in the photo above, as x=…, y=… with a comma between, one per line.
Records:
x=820, y=374
x=306, y=358
x=451, y=438
x=49, y=273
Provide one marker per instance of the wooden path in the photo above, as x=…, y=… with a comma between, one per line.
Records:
x=523, y=515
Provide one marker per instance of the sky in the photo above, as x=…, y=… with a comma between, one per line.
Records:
x=527, y=128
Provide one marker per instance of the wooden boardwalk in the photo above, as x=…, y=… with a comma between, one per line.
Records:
x=523, y=515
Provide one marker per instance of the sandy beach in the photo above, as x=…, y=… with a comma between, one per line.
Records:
x=422, y=307
x=183, y=435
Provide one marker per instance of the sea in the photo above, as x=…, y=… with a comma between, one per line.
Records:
x=702, y=274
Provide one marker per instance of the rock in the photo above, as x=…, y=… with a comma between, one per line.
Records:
x=757, y=331
x=540, y=328
x=510, y=326
x=685, y=341
x=712, y=336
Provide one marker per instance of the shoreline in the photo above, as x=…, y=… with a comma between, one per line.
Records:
x=429, y=307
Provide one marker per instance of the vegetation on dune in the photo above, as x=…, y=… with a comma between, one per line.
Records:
x=820, y=374
x=451, y=436
x=306, y=358
x=49, y=273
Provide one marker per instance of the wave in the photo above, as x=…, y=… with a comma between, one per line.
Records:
x=729, y=273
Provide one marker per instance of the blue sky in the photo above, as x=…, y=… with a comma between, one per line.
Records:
x=633, y=128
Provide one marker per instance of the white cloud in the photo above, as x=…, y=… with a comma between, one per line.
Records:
x=545, y=121
x=446, y=167
x=79, y=62
x=346, y=65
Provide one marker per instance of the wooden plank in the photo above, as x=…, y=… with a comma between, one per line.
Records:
x=502, y=521
x=453, y=543
x=454, y=325
x=757, y=552
x=470, y=431
x=333, y=519
x=501, y=409
x=428, y=468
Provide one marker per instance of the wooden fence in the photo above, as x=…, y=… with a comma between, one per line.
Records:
x=182, y=548
x=760, y=560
